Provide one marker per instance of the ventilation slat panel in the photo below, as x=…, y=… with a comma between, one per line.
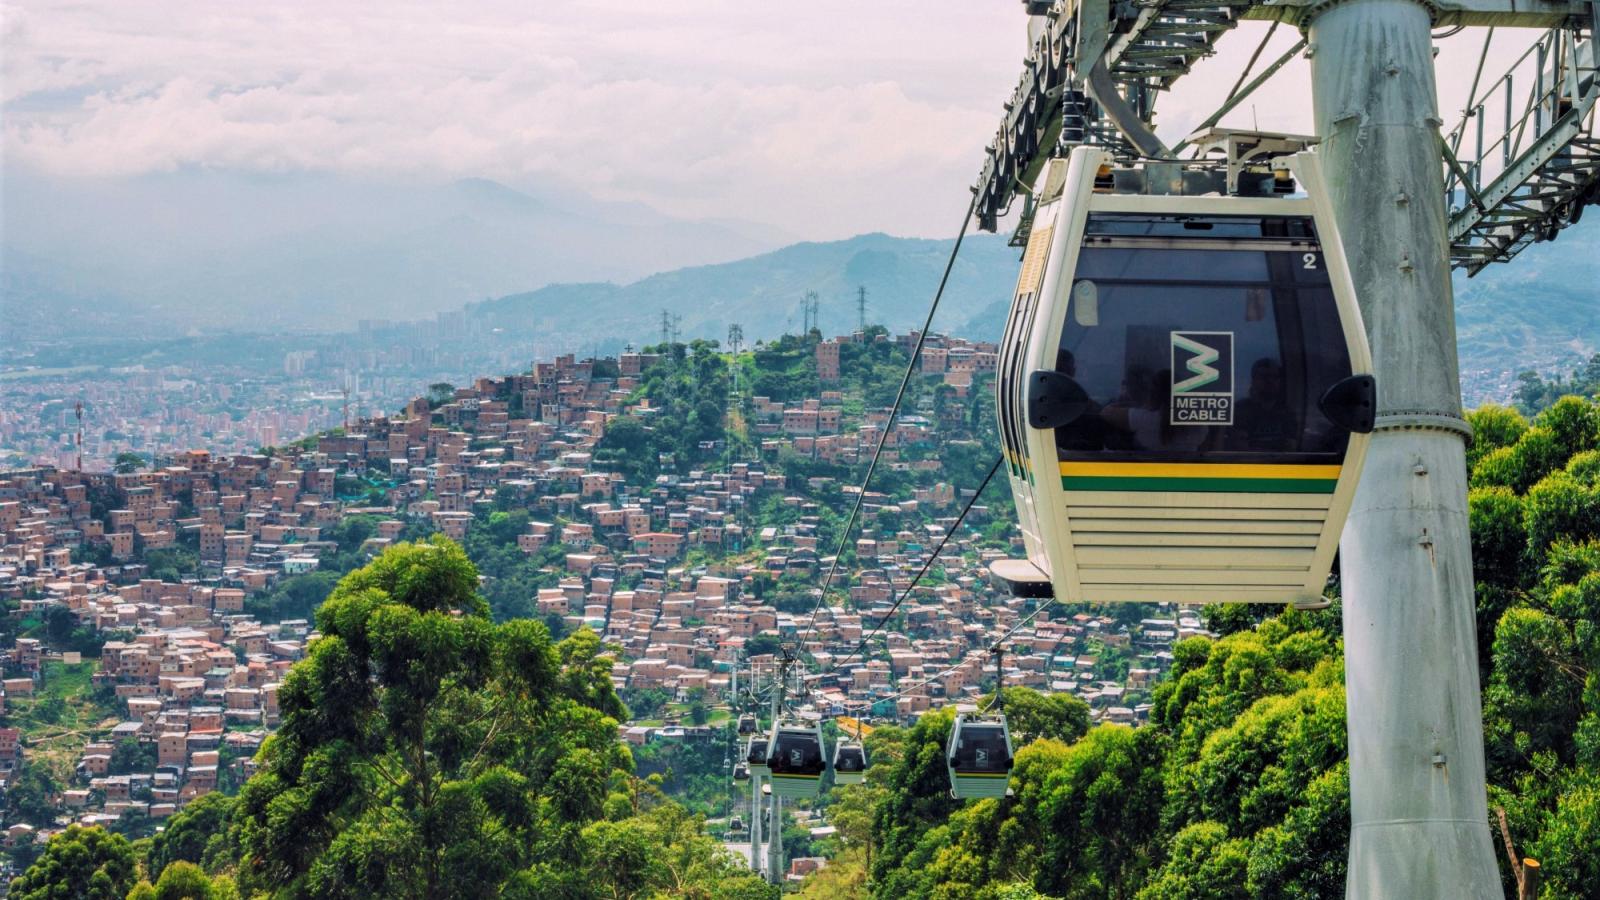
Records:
x=1139, y=593
x=1265, y=538
x=1178, y=577
x=1193, y=512
x=1221, y=502
x=1191, y=526
x=1289, y=561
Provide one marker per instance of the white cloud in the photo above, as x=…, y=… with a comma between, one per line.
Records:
x=827, y=119
x=830, y=122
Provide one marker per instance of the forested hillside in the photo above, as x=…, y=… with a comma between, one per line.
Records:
x=425, y=752
x=1238, y=787
x=437, y=741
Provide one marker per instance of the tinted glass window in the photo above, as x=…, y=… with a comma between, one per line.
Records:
x=980, y=748
x=850, y=760
x=797, y=753
x=1214, y=349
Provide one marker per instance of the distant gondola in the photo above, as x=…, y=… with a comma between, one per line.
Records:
x=755, y=755
x=741, y=772
x=795, y=760
x=979, y=757
x=747, y=724
x=849, y=764
x=1184, y=384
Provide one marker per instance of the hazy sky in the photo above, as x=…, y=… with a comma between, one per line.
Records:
x=825, y=118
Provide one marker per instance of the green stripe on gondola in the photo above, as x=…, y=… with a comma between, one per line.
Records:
x=961, y=774
x=1214, y=485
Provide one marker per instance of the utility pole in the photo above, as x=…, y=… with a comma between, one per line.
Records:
x=755, y=799
x=1419, y=825
x=78, y=410
x=666, y=329
x=775, y=831
x=861, y=308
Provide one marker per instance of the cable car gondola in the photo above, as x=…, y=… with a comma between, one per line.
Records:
x=755, y=756
x=747, y=724
x=741, y=772
x=979, y=757
x=849, y=763
x=1184, y=386
x=795, y=760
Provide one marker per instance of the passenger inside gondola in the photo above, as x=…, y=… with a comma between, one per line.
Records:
x=1136, y=313
x=1142, y=415
x=981, y=748
x=1265, y=421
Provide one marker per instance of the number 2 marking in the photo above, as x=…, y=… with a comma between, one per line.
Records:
x=1310, y=260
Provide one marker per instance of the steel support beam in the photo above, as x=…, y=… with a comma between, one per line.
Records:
x=1418, y=802
x=1449, y=13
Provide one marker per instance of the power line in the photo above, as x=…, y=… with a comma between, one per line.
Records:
x=888, y=425
x=963, y=661
x=923, y=571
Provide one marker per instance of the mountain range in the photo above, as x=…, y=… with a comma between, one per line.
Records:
x=215, y=250
x=199, y=252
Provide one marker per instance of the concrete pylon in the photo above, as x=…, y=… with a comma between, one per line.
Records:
x=1418, y=803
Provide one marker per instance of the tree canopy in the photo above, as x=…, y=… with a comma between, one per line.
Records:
x=426, y=751
x=1238, y=786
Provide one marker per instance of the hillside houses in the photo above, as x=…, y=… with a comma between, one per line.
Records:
x=680, y=575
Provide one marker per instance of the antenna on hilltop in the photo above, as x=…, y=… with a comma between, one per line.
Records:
x=861, y=308
x=78, y=411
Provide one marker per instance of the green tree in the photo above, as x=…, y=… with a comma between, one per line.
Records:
x=186, y=881
x=31, y=796
x=425, y=751
x=127, y=462
x=80, y=864
x=198, y=833
x=130, y=756
x=440, y=393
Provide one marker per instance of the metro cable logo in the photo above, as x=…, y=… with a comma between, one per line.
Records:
x=1202, y=378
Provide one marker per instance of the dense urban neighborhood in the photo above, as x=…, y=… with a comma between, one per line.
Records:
x=182, y=593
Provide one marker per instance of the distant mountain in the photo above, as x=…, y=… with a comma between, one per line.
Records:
x=298, y=252
x=1541, y=311
x=764, y=293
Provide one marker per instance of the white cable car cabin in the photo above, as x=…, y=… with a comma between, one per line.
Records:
x=795, y=761
x=755, y=756
x=979, y=757
x=747, y=724
x=849, y=763
x=1184, y=388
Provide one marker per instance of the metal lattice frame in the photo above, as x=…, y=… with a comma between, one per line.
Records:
x=1545, y=163
x=1545, y=160
x=1149, y=47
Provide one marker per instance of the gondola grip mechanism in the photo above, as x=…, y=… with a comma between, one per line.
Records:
x=1351, y=403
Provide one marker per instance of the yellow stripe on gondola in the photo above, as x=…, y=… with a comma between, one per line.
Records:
x=811, y=777
x=1196, y=470
x=1205, y=477
x=961, y=774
